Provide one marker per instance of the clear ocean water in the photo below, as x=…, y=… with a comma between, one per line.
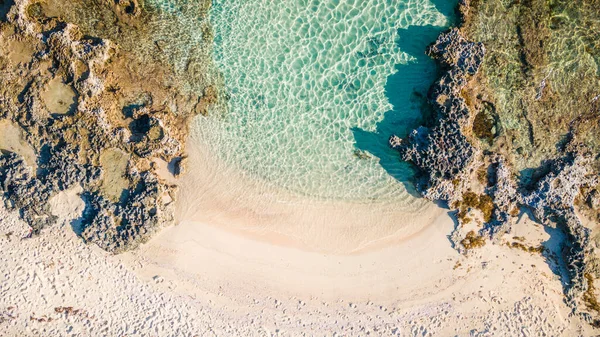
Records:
x=315, y=89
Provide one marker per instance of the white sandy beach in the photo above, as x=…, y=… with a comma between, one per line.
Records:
x=232, y=268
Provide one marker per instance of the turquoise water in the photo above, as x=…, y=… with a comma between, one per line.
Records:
x=315, y=89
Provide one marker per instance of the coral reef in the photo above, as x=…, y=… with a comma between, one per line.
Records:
x=94, y=117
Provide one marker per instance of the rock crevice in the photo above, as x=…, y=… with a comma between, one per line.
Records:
x=457, y=168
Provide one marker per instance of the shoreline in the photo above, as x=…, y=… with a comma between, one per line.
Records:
x=55, y=285
x=246, y=259
x=211, y=192
x=201, y=252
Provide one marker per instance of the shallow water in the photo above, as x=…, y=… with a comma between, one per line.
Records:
x=315, y=89
x=543, y=85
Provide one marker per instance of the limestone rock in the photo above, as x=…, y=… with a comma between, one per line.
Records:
x=75, y=97
x=442, y=153
x=554, y=200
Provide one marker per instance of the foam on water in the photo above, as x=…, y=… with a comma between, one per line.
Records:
x=306, y=79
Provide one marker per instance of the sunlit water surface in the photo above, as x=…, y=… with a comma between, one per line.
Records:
x=315, y=88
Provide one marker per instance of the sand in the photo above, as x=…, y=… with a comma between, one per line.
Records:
x=229, y=287
x=214, y=193
x=232, y=267
x=12, y=140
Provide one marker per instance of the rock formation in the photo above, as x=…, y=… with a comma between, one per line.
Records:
x=453, y=152
x=443, y=153
x=553, y=201
x=92, y=122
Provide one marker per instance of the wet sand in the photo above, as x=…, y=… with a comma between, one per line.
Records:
x=212, y=193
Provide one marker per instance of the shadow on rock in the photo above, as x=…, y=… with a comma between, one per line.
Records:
x=407, y=92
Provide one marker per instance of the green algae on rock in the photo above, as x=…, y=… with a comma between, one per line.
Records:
x=542, y=74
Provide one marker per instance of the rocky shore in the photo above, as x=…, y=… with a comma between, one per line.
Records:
x=465, y=158
x=95, y=118
x=514, y=131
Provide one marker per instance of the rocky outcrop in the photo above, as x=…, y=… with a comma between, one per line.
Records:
x=78, y=101
x=504, y=191
x=120, y=226
x=553, y=201
x=442, y=153
x=482, y=183
x=29, y=192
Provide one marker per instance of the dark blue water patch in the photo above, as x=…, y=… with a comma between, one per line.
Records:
x=5, y=6
x=448, y=8
x=407, y=91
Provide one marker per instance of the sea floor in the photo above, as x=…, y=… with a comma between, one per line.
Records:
x=314, y=90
